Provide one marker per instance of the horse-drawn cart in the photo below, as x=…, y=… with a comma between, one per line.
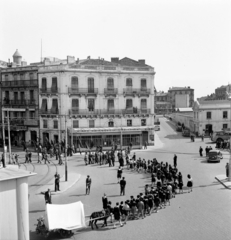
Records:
x=62, y=219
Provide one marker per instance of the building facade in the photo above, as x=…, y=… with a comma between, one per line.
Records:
x=99, y=102
x=162, y=106
x=211, y=115
x=175, y=99
x=19, y=97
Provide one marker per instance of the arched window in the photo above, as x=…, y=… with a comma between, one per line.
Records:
x=44, y=105
x=110, y=83
x=74, y=83
x=55, y=108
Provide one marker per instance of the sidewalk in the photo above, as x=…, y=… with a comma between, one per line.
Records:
x=223, y=180
x=73, y=178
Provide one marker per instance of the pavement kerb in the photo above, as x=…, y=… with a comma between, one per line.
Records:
x=73, y=178
x=222, y=179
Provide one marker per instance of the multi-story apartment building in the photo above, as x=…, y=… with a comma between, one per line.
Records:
x=99, y=102
x=221, y=92
x=162, y=106
x=174, y=96
x=19, y=97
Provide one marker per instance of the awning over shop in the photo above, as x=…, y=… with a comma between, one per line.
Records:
x=113, y=129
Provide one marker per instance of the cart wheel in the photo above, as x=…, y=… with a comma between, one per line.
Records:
x=63, y=233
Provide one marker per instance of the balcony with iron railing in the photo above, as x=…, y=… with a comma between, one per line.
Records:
x=110, y=91
x=20, y=83
x=136, y=91
x=77, y=111
x=48, y=91
x=83, y=91
x=18, y=103
x=51, y=111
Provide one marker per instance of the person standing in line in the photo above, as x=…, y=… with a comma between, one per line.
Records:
x=119, y=174
x=175, y=160
x=57, y=180
x=227, y=169
x=116, y=212
x=105, y=201
x=201, y=151
x=88, y=185
x=122, y=186
x=48, y=196
x=190, y=183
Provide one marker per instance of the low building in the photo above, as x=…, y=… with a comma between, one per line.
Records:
x=14, y=217
x=211, y=115
x=184, y=116
x=162, y=106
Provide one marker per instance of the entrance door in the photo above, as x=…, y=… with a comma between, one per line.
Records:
x=45, y=137
x=33, y=136
x=209, y=129
x=56, y=138
x=144, y=137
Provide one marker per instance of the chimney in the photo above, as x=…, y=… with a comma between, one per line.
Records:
x=115, y=59
x=23, y=63
x=89, y=57
x=70, y=59
x=142, y=61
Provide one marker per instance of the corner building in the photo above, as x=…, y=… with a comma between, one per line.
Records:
x=99, y=102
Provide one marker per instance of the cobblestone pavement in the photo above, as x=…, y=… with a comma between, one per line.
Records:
x=203, y=214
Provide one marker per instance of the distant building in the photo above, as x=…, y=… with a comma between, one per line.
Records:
x=162, y=106
x=221, y=92
x=175, y=99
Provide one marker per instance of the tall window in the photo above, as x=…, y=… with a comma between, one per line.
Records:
x=7, y=95
x=54, y=86
x=110, y=104
x=44, y=123
x=91, y=123
x=143, y=122
x=44, y=105
x=91, y=85
x=225, y=114
x=75, y=103
x=32, y=114
x=208, y=115
x=75, y=123
x=22, y=96
x=54, y=108
x=128, y=82
x=44, y=84
x=31, y=75
x=110, y=83
x=91, y=104
x=6, y=78
x=143, y=103
x=129, y=103
x=21, y=76
x=15, y=77
x=74, y=83
x=15, y=96
x=55, y=124
x=225, y=126
x=31, y=95
x=129, y=122
x=143, y=84
x=110, y=124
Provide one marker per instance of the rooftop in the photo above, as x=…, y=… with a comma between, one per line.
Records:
x=180, y=88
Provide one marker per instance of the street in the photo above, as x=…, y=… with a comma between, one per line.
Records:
x=203, y=214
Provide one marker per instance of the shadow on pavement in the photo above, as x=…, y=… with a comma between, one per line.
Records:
x=110, y=183
x=174, y=136
x=77, y=195
x=35, y=211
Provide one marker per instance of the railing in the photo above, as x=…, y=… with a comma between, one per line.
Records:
x=83, y=90
x=16, y=121
x=20, y=83
x=19, y=102
x=49, y=111
x=77, y=111
x=136, y=91
x=49, y=90
x=31, y=122
x=110, y=91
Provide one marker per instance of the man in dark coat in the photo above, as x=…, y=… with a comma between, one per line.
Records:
x=105, y=201
x=57, y=180
x=48, y=196
x=175, y=160
x=122, y=186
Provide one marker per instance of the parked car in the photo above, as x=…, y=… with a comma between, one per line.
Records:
x=157, y=127
x=214, y=156
x=186, y=133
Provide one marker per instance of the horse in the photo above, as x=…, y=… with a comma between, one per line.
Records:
x=101, y=215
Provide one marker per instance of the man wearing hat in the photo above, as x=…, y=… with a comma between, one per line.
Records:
x=88, y=185
x=48, y=196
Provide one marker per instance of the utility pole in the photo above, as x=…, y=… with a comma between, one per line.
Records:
x=66, y=177
x=9, y=141
x=3, y=139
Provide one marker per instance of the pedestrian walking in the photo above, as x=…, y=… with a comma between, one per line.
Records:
x=88, y=185
x=46, y=158
x=145, y=145
x=105, y=201
x=57, y=181
x=119, y=174
x=122, y=186
x=202, y=137
x=201, y=151
x=190, y=183
x=227, y=169
x=175, y=160
x=48, y=196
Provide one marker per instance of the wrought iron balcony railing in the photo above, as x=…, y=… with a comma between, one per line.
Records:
x=49, y=90
x=82, y=91
x=20, y=83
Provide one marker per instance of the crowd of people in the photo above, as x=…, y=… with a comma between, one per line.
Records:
x=166, y=182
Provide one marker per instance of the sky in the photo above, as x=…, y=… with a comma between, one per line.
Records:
x=188, y=42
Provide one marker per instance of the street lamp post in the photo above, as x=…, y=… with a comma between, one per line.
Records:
x=66, y=176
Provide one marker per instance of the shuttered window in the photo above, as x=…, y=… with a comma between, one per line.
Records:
x=44, y=83
x=91, y=104
x=74, y=83
x=44, y=105
x=91, y=123
x=54, y=108
x=143, y=103
x=110, y=83
x=54, y=86
x=129, y=103
x=75, y=103
x=91, y=85
x=75, y=123
x=143, y=83
x=110, y=104
x=55, y=124
x=128, y=82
